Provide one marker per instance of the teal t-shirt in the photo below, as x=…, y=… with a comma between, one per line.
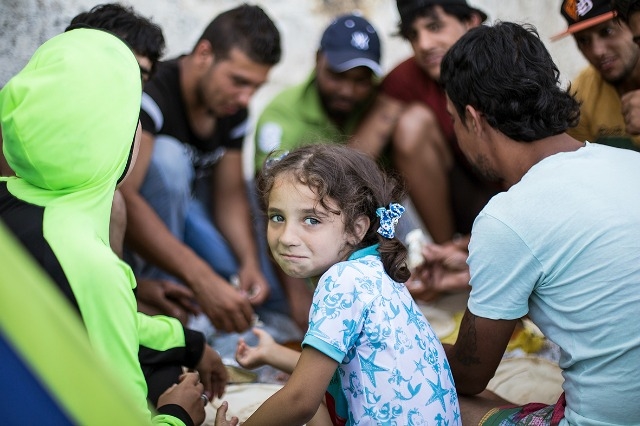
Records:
x=562, y=246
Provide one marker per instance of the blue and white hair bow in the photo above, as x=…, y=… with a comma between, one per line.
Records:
x=389, y=219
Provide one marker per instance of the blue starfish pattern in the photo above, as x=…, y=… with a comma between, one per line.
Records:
x=447, y=367
x=386, y=340
x=438, y=393
x=420, y=366
x=355, y=293
x=314, y=327
x=370, y=411
x=369, y=367
x=414, y=316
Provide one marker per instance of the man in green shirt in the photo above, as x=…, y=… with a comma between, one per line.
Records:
x=329, y=104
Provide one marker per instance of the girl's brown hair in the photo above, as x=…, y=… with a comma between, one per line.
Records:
x=355, y=182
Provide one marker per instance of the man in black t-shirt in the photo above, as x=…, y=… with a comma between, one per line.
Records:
x=187, y=205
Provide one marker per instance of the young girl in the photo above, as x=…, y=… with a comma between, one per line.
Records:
x=331, y=218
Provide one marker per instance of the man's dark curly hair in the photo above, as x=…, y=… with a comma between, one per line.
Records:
x=248, y=28
x=506, y=73
x=143, y=36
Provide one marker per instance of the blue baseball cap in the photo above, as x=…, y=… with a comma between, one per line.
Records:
x=351, y=41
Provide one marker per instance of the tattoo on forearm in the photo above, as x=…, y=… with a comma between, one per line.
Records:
x=466, y=352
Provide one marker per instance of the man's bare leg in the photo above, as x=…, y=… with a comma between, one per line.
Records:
x=422, y=156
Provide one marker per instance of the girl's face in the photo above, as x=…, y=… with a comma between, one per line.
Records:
x=305, y=239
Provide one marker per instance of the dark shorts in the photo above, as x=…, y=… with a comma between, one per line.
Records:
x=534, y=414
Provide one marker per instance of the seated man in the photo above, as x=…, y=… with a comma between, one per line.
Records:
x=410, y=114
x=330, y=103
x=69, y=119
x=611, y=82
x=326, y=107
x=187, y=207
x=629, y=11
x=561, y=245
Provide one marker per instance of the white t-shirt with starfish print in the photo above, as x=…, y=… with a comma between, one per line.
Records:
x=392, y=368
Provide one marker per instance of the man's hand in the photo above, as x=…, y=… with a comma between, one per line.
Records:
x=631, y=111
x=227, y=308
x=166, y=298
x=213, y=375
x=444, y=270
x=253, y=284
x=187, y=394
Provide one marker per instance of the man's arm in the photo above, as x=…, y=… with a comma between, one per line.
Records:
x=231, y=213
x=148, y=235
x=477, y=352
x=376, y=129
x=631, y=111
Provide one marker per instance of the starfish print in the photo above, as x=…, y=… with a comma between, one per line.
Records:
x=438, y=393
x=315, y=327
x=413, y=316
x=355, y=294
x=420, y=366
x=369, y=367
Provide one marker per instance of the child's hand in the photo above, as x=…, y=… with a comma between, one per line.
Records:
x=255, y=356
x=221, y=416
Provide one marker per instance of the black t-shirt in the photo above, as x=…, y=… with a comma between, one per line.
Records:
x=163, y=113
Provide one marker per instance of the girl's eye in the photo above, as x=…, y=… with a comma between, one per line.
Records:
x=311, y=221
x=276, y=218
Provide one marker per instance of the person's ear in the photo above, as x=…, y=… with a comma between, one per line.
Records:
x=475, y=119
x=474, y=21
x=360, y=228
x=204, y=51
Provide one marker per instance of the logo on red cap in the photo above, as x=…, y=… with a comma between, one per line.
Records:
x=575, y=9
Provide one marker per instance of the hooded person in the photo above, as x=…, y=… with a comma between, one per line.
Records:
x=69, y=122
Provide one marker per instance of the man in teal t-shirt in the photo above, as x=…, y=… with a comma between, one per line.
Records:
x=329, y=104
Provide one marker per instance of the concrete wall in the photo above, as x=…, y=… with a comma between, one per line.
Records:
x=25, y=24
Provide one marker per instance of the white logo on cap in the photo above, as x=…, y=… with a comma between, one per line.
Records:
x=584, y=6
x=360, y=40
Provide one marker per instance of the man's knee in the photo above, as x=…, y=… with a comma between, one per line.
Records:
x=417, y=127
x=170, y=166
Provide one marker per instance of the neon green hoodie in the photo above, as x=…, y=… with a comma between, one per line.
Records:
x=68, y=121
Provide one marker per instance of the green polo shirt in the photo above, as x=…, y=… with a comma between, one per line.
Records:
x=296, y=117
